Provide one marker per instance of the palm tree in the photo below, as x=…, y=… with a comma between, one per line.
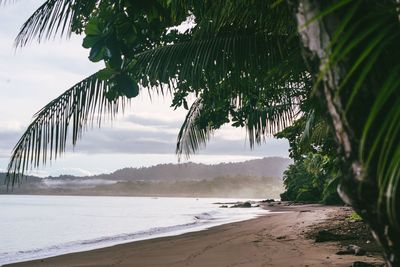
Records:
x=250, y=62
x=351, y=47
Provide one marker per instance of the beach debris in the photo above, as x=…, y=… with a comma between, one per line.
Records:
x=324, y=236
x=366, y=264
x=358, y=251
x=268, y=200
x=223, y=206
x=327, y=235
x=246, y=204
x=352, y=250
x=281, y=237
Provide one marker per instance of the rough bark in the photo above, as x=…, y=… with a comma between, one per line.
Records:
x=359, y=187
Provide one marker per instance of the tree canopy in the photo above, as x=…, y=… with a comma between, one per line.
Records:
x=243, y=67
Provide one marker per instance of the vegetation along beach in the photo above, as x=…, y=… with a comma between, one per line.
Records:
x=200, y=133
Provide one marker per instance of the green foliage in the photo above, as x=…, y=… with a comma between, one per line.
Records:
x=295, y=179
x=310, y=179
x=243, y=65
x=315, y=174
x=366, y=42
x=354, y=217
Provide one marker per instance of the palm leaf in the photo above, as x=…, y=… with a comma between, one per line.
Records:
x=51, y=18
x=265, y=118
x=316, y=129
x=374, y=43
x=234, y=59
x=191, y=136
x=266, y=121
x=45, y=138
x=232, y=41
x=258, y=16
x=366, y=42
x=267, y=67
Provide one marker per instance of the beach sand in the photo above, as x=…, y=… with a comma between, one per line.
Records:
x=276, y=239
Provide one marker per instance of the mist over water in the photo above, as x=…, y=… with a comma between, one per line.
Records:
x=42, y=226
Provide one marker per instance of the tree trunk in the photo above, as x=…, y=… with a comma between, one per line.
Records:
x=359, y=186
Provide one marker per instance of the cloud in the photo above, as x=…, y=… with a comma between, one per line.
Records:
x=116, y=140
x=154, y=119
x=8, y=138
x=163, y=141
x=155, y=139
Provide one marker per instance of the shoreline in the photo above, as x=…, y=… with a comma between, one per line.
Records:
x=274, y=239
x=190, y=215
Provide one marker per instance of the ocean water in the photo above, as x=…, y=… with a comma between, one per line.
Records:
x=33, y=227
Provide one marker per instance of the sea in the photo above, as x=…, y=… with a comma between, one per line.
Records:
x=34, y=227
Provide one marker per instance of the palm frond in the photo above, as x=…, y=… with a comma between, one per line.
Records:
x=232, y=41
x=51, y=18
x=46, y=137
x=267, y=69
x=268, y=119
x=261, y=118
x=316, y=129
x=372, y=42
x=231, y=59
x=245, y=16
x=191, y=136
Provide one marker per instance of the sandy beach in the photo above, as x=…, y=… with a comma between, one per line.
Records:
x=276, y=239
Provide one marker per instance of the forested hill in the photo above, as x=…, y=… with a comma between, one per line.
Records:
x=265, y=167
x=254, y=178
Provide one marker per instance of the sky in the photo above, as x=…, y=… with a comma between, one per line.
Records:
x=144, y=135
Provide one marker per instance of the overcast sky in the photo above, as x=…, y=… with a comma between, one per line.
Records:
x=145, y=135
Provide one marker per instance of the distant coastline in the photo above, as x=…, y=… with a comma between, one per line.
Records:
x=260, y=178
